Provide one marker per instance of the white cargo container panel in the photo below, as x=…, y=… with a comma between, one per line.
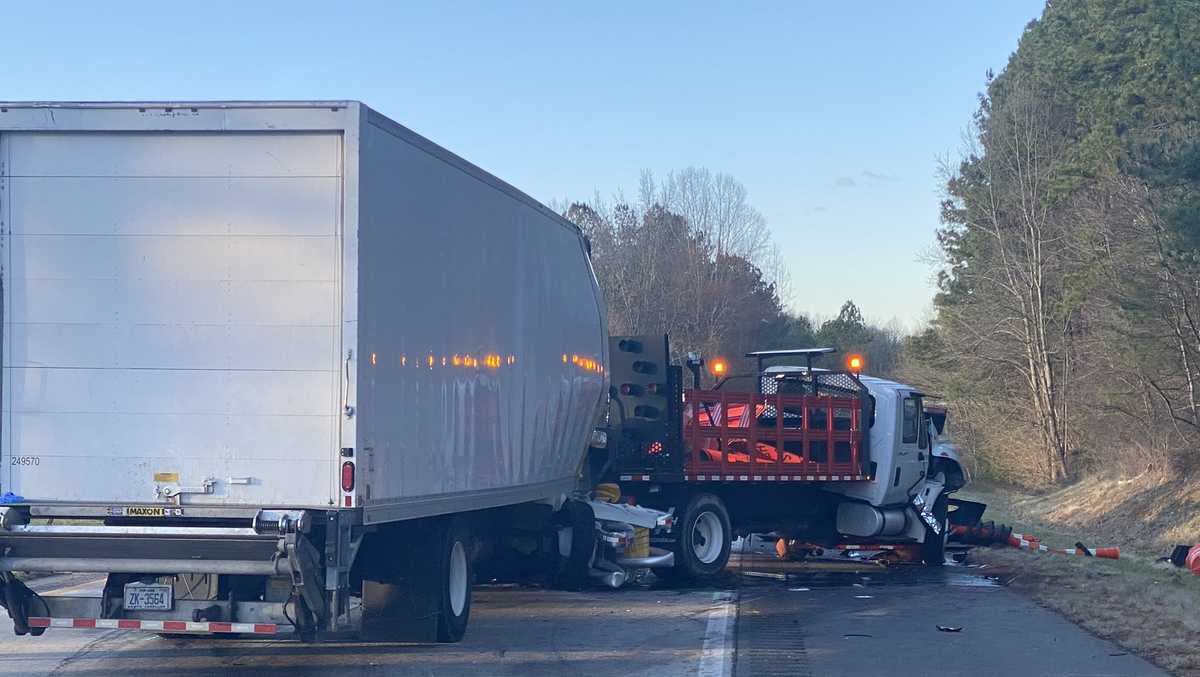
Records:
x=232, y=300
x=482, y=324
x=171, y=312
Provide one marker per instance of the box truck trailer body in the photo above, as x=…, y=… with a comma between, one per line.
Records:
x=220, y=305
x=279, y=357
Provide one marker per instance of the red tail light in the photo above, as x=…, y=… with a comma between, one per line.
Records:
x=348, y=476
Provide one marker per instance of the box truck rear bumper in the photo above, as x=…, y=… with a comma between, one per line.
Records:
x=274, y=544
x=175, y=626
x=76, y=612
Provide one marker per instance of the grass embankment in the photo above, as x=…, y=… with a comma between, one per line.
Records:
x=1148, y=607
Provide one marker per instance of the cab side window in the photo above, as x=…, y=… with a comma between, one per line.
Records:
x=911, y=419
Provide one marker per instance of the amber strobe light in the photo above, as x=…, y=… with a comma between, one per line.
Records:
x=855, y=363
x=718, y=367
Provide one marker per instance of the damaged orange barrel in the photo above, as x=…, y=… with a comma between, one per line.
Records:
x=1106, y=553
x=1192, y=562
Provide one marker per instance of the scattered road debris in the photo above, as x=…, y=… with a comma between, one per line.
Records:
x=949, y=628
x=1034, y=544
x=1187, y=556
x=981, y=533
x=765, y=574
x=990, y=533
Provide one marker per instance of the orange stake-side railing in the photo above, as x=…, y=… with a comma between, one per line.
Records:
x=717, y=421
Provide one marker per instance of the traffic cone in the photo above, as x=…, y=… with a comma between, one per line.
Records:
x=1192, y=561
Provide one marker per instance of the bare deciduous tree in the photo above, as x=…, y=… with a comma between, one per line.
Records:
x=691, y=257
x=1006, y=306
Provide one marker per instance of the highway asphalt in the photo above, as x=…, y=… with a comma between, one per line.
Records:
x=762, y=618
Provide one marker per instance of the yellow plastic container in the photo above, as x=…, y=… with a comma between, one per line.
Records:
x=640, y=547
x=609, y=493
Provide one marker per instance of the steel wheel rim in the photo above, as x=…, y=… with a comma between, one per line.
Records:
x=708, y=538
x=458, y=578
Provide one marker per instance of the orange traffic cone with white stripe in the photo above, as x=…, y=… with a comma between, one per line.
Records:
x=1033, y=544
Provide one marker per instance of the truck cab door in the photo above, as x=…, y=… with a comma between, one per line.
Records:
x=911, y=458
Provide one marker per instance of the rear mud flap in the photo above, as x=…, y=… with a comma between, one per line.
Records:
x=16, y=598
x=407, y=612
x=405, y=607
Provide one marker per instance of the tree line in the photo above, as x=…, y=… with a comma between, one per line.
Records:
x=1067, y=330
x=692, y=258
x=1066, y=335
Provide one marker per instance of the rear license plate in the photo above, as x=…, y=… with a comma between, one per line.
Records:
x=143, y=597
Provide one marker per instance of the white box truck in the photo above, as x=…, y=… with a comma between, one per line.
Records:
x=280, y=365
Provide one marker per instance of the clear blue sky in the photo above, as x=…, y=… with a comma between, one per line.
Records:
x=832, y=114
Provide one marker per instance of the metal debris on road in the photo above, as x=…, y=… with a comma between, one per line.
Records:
x=765, y=574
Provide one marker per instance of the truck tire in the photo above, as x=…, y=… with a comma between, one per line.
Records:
x=573, y=569
x=454, y=600
x=933, y=548
x=704, y=541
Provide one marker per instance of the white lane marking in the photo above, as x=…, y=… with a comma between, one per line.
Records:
x=716, y=658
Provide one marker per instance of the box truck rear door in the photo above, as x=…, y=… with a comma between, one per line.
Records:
x=170, y=316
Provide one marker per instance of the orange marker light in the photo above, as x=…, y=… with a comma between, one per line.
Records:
x=855, y=363
x=718, y=367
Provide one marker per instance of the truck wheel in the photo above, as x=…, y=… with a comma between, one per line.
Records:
x=705, y=539
x=933, y=548
x=455, y=575
x=573, y=569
